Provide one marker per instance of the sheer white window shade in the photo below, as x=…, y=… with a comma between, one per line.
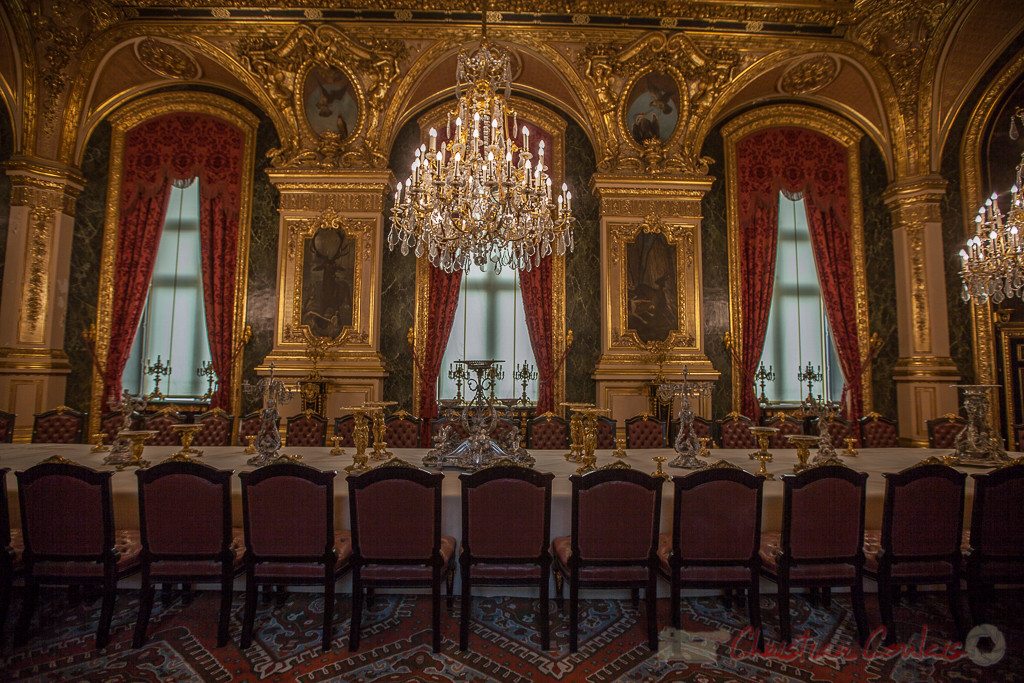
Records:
x=798, y=330
x=489, y=324
x=173, y=323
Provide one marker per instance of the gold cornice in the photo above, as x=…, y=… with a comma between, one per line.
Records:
x=131, y=115
x=44, y=169
x=845, y=134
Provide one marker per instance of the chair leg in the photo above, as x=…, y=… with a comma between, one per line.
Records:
x=634, y=593
x=754, y=607
x=953, y=594
x=435, y=616
x=106, y=611
x=328, y=608
x=826, y=597
x=467, y=607
x=559, y=586
x=165, y=594
x=675, y=603
x=545, y=616
x=449, y=585
x=27, y=610
x=249, y=619
x=975, y=599
x=784, y=627
x=885, y=606
x=574, y=615
x=651, y=596
x=859, y=611
x=5, y=601
x=357, y=615
x=226, y=593
x=146, y=598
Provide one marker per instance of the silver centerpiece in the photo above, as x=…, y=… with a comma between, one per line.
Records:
x=480, y=418
x=268, y=439
x=687, y=445
x=121, y=450
x=825, y=411
x=977, y=443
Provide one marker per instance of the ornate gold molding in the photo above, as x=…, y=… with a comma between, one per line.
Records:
x=124, y=120
x=166, y=59
x=848, y=136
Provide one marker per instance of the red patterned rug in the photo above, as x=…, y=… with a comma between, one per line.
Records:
x=504, y=644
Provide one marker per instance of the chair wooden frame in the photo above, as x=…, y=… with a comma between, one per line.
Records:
x=360, y=582
x=890, y=581
x=786, y=561
x=108, y=557
x=333, y=564
x=152, y=572
x=503, y=568
x=61, y=410
x=10, y=558
x=684, y=485
x=937, y=425
x=7, y=426
x=1001, y=568
x=587, y=482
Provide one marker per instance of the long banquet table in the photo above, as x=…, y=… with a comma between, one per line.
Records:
x=873, y=461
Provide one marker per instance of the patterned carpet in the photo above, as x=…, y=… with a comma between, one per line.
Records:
x=504, y=644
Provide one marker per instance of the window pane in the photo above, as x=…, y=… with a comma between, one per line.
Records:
x=173, y=324
x=494, y=329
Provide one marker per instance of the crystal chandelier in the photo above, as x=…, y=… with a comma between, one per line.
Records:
x=992, y=261
x=478, y=196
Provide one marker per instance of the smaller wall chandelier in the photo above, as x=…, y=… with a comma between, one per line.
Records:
x=479, y=197
x=992, y=261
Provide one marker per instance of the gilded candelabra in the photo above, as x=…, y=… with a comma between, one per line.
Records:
x=121, y=449
x=268, y=439
x=762, y=454
x=977, y=443
x=495, y=374
x=458, y=373
x=589, y=443
x=206, y=370
x=157, y=371
x=825, y=411
x=525, y=374
x=687, y=445
x=133, y=456
x=762, y=377
x=810, y=376
x=360, y=430
x=576, y=430
x=376, y=411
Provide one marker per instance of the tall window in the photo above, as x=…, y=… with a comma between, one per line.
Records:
x=798, y=330
x=489, y=324
x=173, y=324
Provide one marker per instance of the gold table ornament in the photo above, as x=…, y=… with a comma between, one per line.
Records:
x=576, y=429
x=99, y=446
x=250, y=446
x=620, y=449
x=850, y=450
x=360, y=463
x=705, y=448
x=336, y=443
x=803, y=443
x=130, y=456
x=658, y=472
x=376, y=410
x=188, y=434
x=589, y=464
x=762, y=454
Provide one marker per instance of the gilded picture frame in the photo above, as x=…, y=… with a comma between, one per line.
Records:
x=654, y=107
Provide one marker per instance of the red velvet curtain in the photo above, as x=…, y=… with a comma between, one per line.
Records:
x=177, y=147
x=535, y=284
x=796, y=160
x=442, y=302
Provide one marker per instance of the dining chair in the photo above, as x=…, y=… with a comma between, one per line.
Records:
x=547, y=432
x=643, y=431
x=216, y=431
x=877, y=431
x=734, y=432
x=307, y=429
x=60, y=425
x=402, y=430
x=11, y=549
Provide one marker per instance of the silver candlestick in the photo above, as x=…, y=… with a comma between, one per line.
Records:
x=687, y=445
x=268, y=439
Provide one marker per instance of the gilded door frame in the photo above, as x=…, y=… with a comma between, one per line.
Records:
x=123, y=120
x=847, y=135
x=555, y=126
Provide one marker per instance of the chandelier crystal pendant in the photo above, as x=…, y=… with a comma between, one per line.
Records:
x=478, y=197
x=992, y=261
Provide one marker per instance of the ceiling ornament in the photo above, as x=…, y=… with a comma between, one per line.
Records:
x=992, y=261
x=166, y=60
x=475, y=196
x=808, y=75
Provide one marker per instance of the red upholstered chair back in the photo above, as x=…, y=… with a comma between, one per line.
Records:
x=491, y=498
x=1018, y=437
x=112, y=423
x=66, y=511
x=997, y=518
x=403, y=431
x=547, y=432
x=734, y=432
x=702, y=427
x=249, y=426
x=5, y=514
x=343, y=427
x=823, y=514
x=7, y=427
x=216, y=429
x=306, y=429
x=396, y=515
x=878, y=432
x=288, y=511
x=786, y=424
x=606, y=432
x=643, y=431
x=717, y=515
x=942, y=431
x=184, y=509
x=924, y=512
x=62, y=425
x=161, y=423
x=616, y=516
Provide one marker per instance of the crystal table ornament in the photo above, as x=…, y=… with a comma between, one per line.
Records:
x=687, y=444
x=127, y=450
x=268, y=439
x=978, y=443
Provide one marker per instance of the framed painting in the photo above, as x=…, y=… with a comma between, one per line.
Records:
x=652, y=309
x=328, y=101
x=328, y=281
x=652, y=107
